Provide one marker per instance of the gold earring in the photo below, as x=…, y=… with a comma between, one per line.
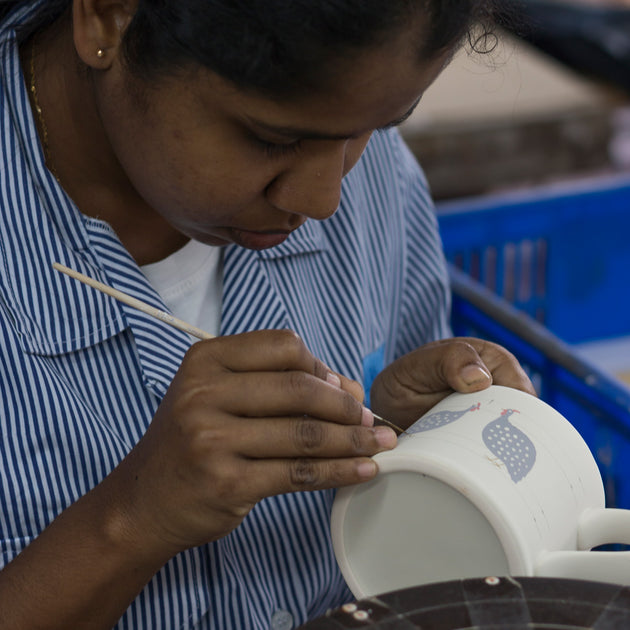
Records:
x=100, y=53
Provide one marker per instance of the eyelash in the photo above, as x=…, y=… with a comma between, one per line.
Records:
x=277, y=150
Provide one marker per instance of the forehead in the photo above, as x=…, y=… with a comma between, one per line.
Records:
x=364, y=92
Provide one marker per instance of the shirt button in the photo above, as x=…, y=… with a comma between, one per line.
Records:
x=282, y=620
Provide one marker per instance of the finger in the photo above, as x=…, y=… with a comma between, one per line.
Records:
x=502, y=365
x=440, y=367
x=471, y=364
x=461, y=368
x=421, y=379
x=351, y=386
x=270, y=350
x=288, y=393
x=307, y=437
x=272, y=477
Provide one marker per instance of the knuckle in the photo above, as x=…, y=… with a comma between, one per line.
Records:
x=460, y=347
x=309, y=436
x=191, y=403
x=228, y=485
x=194, y=352
x=352, y=408
x=293, y=348
x=212, y=439
x=201, y=352
x=303, y=473
x=299, y=382
x=357, y=440
x=289, y=342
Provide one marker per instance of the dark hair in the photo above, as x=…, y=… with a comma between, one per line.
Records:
x=273, y=46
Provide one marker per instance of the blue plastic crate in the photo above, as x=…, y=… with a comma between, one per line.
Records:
x=538, y=270
x=561, y=255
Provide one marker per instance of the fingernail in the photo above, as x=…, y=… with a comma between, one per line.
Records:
x=367, y=470
x=367, y=418
x=385, y=437
x=333, y=379
x=474, y=374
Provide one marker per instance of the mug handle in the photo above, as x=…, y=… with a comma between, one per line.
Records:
x=596, y=526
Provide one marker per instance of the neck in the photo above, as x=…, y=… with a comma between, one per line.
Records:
x=78, y=151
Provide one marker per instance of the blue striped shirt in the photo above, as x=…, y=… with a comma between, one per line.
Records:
x=81, y=375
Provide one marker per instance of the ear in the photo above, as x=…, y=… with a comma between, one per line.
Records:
x=98, y=27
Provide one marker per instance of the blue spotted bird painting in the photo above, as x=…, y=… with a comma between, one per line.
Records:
x=438, y=419
x=509, y=444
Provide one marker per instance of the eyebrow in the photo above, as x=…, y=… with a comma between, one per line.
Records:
x=310, y=134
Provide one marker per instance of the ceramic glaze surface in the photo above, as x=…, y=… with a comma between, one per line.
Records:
x=446, y=536
x=490, y=483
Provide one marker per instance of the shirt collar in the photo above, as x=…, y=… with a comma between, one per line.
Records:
x=52, y=313
x=309, y=238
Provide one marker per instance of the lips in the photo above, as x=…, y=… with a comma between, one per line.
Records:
x=259, y=240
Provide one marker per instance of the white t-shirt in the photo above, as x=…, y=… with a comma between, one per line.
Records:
x=190, y=283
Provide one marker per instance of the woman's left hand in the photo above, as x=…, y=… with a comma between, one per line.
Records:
x=410, y=386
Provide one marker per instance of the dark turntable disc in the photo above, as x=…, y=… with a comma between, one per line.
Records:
x=505, y=603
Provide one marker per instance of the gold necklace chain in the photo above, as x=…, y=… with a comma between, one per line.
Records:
x=38, y=111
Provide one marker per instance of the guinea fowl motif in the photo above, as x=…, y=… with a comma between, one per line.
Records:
x=510, y=445
x=438, y=419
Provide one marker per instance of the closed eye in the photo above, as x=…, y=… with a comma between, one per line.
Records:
x=278, y=149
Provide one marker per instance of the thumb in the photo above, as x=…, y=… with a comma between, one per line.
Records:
x=420, y=379
x=450, y=364
x=471, y=377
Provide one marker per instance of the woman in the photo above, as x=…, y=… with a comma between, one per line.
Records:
x=175, y=151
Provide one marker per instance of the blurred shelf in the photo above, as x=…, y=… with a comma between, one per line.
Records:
x=512, y=118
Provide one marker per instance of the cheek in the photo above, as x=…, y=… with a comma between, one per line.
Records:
x=177, y=165
x=180, y=175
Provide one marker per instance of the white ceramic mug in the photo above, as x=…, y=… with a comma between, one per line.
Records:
x=486, y=484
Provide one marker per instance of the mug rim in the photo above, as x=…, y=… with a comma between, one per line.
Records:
x=513, y=544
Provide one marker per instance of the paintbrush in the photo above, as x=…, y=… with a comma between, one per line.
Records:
x=164, y=316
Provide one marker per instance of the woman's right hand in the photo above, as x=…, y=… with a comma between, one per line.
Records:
x=246, y=417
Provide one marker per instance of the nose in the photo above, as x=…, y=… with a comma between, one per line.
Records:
x=311, y=185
